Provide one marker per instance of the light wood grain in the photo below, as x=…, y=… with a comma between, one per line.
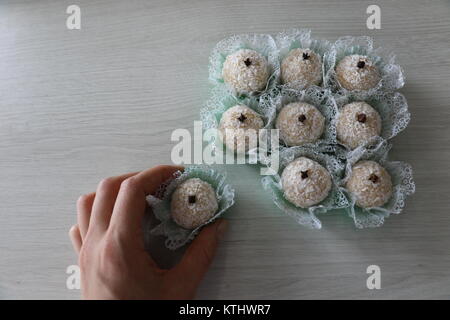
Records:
x=77, y=106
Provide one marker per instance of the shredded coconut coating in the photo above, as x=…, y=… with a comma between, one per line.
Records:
x=352, y=77
x=301, y=68
x=246, y=71
x=353, y=132
x=305, y=191
x=191, y=213
x=300, y=123
x=370, y=183
x=237, y=125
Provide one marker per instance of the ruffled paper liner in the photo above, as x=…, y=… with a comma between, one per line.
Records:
x=300, y=38
x=402, y=182
x=321, y=98
x=221, y=100
x=307, y=217
x=392, y=108
x=392, y=77
x=160, y=203
x=261, y=43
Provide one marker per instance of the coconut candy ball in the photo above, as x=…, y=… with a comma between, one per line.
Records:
x=301, y=68
x=357, y=123
x=193, y=203
x=357, y=72
x=305, y=182
x=246, y=71
x=370, y=183
x=300, y=123
x=235, y=125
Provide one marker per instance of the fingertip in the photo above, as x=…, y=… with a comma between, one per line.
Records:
x=174, y=169
x=154, y=177
x=170, y=170
x=73, y=229
x=221, y=228
x=168, y=167
x=214, y=232
x=180, y=168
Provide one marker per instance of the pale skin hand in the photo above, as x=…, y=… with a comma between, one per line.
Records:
x=110, y=243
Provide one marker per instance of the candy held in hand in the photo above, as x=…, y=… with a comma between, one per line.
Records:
x=357, y=123
x=235, y=125
x=246, y=71
x=301, y=68
x=370, y=184
x=357, y=72
x=193, y=203
x=305, y=182
x=300, y=123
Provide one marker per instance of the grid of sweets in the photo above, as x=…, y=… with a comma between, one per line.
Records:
x=336, y=97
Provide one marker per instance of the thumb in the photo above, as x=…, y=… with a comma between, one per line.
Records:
x=199, y=255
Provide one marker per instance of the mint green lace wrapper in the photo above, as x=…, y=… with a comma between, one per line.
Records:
x=261, y=43
x=392, y=77
x=300, y=38
x=392, y=108
x=320, y=98
x=160, y=203
x=220, y=101
x=402, y=182
x=307, y=217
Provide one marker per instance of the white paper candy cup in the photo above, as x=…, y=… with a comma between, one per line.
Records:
x=300, y=39
x=307, y=217
x=402, y=183
x=261, y=43
x=321, y=98
x=392, y=77
x=221, y=100
x=392, y=108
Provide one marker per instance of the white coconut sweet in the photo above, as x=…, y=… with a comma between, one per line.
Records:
x=193, y=203
x=238, y=125
x=246, y=71
x=356, y=72
x=301, y=68
x=370, y=184
x=305, y=182
x=357, y=123
x=300, y=123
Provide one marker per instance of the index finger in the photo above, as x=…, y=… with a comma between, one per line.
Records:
x=151, y=179
x=129, y=209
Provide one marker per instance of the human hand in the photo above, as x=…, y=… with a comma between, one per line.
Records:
x=110, y=242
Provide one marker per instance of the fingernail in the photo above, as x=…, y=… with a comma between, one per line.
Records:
x=221, y=228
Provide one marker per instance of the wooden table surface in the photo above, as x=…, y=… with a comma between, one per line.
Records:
x=80, y=105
